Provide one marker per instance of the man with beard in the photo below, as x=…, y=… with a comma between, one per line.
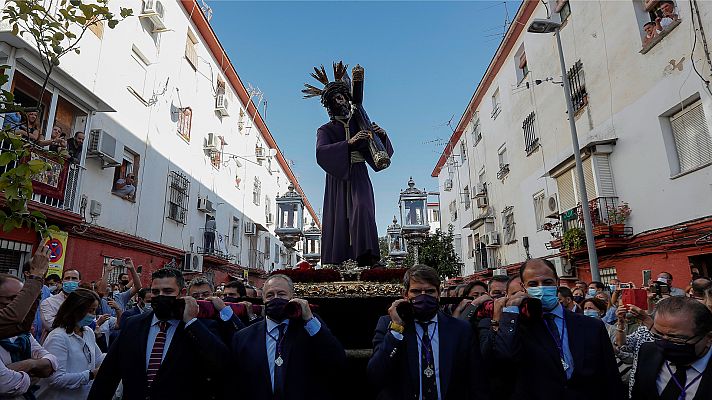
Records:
x=291, y=354
x=166, y=353
x=421, y=353
x=349, y=219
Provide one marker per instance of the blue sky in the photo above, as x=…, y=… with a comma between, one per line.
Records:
x=423, y=61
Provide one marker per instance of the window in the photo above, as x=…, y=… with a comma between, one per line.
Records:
x=470, y=247
x=178, y=199
x=268, y=248
x=453, y=210
x=268, y=210
x=125, y=182
x=564, y=9
x=496, y=104
x=539, y=210
x=531, y=141
x=577, y=83
x=692, y=137
x=463, y=152
x=520, y=62
x=608, y=274
x=256, y=191
x=503, y=163
x=235, y=239
x=656, y=19
x=137, y=74
x=466, y=197
x=435, y=215
x=508, y=225
x=476, y=129
x=185, y=116
x=191, y=52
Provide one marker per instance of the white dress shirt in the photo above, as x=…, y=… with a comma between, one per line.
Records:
x=76, y=356
x=14, y=384
x=434, y=344
x=697, y=368
x=49, y=308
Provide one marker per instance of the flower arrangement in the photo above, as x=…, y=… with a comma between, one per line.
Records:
x=383, y=275
x=618, y=214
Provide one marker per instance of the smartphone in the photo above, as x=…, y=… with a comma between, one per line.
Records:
x=405, y=311
x=625, y=286
x=117, y=262
x=636, y=297
x=647, y=275
x=139, y=269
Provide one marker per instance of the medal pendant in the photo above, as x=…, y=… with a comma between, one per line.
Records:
x=279, y=361
x=429, y=372
x=564, y=364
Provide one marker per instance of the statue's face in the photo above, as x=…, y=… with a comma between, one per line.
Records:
x=340, y=106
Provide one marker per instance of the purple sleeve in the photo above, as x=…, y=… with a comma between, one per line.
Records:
x=333, y=157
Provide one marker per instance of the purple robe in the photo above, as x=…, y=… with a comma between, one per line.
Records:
x=347, y=235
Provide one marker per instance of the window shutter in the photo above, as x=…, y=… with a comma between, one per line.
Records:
x=567, y=198
x=589, y=179
x=605, y=176
x=692, y=137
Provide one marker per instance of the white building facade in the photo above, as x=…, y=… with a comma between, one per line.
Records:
x=643, y=117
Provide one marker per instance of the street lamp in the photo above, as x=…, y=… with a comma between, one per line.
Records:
x=312, y=244
x=549, y=26
x=414, y=218
x=290, y=210
x=396, y=245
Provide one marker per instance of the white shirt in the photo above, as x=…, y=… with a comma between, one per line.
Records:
x=49, y=308
x=696, y=368
x=14, y=383
x=76, y=356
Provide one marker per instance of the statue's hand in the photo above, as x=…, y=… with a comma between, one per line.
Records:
x=378, y=130
x=362, y=135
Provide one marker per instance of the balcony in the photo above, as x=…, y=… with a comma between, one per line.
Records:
x=214, y=245
x=256, y=259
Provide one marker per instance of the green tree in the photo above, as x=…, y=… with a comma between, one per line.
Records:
x=54, y=28
x=438, y=251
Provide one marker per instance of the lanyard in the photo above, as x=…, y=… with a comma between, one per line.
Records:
x=278, y=343
x=683, y=390
x=559, y=341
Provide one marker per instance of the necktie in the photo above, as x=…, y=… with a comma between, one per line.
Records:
x=672, y=391
x=550, y=320
x=429, y=389
x=154, y=362
x=279, y=365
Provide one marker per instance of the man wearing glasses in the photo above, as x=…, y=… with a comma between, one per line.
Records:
x=677, y=364
x=421, y=353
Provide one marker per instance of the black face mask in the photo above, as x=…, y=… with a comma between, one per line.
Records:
x=229, y=299
x=275, y=309
x=166, y=307
x=678, y=354
x=424, y=307
x=579, y=299
x=126, y=282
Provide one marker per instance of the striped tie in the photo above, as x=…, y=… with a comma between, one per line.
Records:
x=154, y=362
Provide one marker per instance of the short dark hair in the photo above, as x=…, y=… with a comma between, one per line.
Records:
x=685, y=305
x=512, y=279
x=143, y=292
x=475, y=283
x=122, y=274
x=241, y=290
x=497, y=278
x=167, y=272
x=546, y=262
x=648, y=23
x=421, y=273
x=53, y=277
x=598, y=303
x=565, y=292
x=74, y=308
x=598, y=284
x=69, y=270
x=667, y=273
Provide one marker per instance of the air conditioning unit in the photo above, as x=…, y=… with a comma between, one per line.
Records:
x=192, y=262
x=260, y=153
x=499, y=272
x=482, y=202
x=491, y=239
x=481, y=190
x=205, y=205
x=104, y=146
x=213, y=142
x=448, y=185
x=94, y=208
x=552, y=207
x=221, y=104
x=563, y=266
x=153, y=10
x=250, y=228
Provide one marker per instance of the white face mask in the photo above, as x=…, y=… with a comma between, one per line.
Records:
x=663, y=280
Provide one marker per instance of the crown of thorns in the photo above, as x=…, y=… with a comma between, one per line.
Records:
x=340, y=84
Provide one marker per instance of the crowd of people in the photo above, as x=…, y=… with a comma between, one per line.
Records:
x=518, y=337
x=28, y=126
x=662, y=18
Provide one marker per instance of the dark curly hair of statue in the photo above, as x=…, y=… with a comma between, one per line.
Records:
x=330, y=90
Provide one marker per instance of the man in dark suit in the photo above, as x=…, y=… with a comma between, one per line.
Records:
x=166, y=353
x=142, y=305
x=227, y=323
x=677, y=365
x=421, y=353
x=291, y=354
x=557, y=355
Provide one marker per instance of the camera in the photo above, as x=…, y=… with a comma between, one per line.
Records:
x=659, y=288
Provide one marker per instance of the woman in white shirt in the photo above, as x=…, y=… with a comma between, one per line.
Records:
x=72, y=341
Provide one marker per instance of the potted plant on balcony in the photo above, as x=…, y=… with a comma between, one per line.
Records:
x=555, y=231
x=572, y=240
x=617, y=215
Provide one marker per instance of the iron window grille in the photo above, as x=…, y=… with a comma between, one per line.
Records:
x=508, y=225
x=531, y=141
x=577, y=83
x=179, y=191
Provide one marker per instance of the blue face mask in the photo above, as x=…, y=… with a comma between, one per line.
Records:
x=591, y=313
x=86, y=321
x=592, y=292
x=70, y=286
x=546, y=294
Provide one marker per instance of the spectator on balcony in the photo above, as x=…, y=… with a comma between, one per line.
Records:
x=666, y=15
x=29, y=129
x=125, y=187
x=651, y=32
x=666, y=277
x=75, y=146
x=209, y=234
x=57, y=141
